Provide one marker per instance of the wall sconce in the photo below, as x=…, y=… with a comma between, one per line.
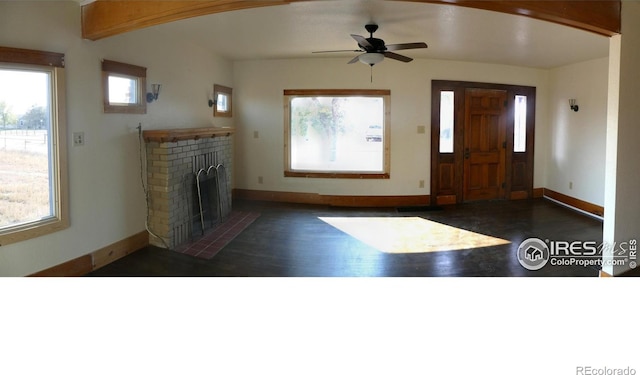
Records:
x=155, y=90
x=211, y=101
x=573, y=105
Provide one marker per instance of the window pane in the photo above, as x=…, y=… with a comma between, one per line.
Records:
x=446, y=121
x=520, y=125
x=26, y=190
x=222, y=104
x=337, y=134
x=122, y=90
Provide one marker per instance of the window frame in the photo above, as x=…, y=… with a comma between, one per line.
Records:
x=53, y=63
x=122, y=70
x=226, y=91
x=289, y=95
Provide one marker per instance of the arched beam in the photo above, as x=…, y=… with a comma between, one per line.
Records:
x=601, y=17
x=104, y=18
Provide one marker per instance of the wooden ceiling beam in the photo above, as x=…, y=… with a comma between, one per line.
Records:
x=598, y=16
x=104, y=18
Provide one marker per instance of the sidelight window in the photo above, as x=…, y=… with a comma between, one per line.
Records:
x=446, y=122
x=520, y=124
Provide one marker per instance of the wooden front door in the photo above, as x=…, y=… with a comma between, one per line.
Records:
x=474, y=155
x=485, y=143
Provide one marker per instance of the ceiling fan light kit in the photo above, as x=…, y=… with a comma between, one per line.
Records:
x=371, y=59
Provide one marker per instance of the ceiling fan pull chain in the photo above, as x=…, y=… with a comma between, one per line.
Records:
x=371, y=66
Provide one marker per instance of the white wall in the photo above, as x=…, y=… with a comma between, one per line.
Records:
x=258, y=91
x=622, y=203
x=577, y=139
x=106, y=198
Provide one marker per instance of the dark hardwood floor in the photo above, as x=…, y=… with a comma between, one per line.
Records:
x=290, y=240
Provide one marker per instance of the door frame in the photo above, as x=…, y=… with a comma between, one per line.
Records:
x=447, y=168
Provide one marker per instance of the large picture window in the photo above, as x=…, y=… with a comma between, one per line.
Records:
x=337, y=133
x=33, y=182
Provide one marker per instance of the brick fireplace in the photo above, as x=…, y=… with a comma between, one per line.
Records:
x=174, y=157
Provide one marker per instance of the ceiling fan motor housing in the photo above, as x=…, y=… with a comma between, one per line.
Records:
x=377, y=45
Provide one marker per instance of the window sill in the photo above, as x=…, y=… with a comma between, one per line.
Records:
x=32, y=230
x=372, y=176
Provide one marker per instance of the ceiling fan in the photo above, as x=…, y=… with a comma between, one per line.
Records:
x=375, y=49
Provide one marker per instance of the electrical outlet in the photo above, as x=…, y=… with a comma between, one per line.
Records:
x=78, y=138
x=421, y=184
x=256, y=134
x=259, y=179
x=570, y=185
x=421, y=129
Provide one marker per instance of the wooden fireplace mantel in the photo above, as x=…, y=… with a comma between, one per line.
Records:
x=175, y=135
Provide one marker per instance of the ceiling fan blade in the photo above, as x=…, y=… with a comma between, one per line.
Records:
x=395, y=47
x=354, y=60
x=395, y=56
x=339, y=50
x=362, y=41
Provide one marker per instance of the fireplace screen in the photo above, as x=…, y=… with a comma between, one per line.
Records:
x=211, y=203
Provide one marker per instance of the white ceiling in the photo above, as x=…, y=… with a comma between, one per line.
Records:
x=452, y=33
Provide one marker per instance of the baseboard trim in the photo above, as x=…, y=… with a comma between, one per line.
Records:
x=333, y=200
x=277, y=196
x=84, y=264
x=576, y=203
x=117, y=250
x=538, y=192
x=75, y=267
x=393, y=200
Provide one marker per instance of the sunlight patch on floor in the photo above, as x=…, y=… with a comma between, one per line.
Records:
x=397, y=235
